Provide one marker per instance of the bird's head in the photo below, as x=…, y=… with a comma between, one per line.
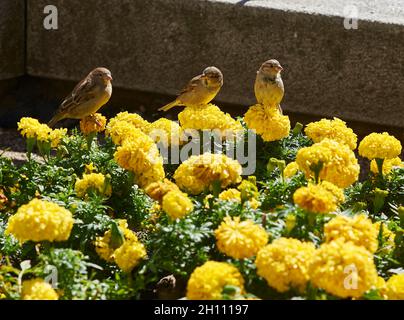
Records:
x=213, y=76
x=102, y=75
x=271, y=67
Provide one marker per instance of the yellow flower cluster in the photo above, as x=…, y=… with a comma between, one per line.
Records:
x=268, y=122
x=339, y=164
x=40, y=221
x=56, y=136
x=157, y=190
x=343, y=269
x=177, y=204
x=230, y=195
x=318, y=198
x=395, y=287
x=120, y=131
x=208, y=281
x=208, y=117
x=337, y=192
x=284, y=263
x=93, y=123
x=131, y=118
x=388, y=165
x=240, y=240
x=198, y=173
x=141, y=156
x=32, y=128
x=359, y=230
x=38, y=289
x=92, y=182
x=291, y=169
x=332, y=129
x=379, y=146
x=127, y=255
x=165, y=131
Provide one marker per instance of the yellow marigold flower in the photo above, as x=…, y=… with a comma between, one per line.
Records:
x=240, y=240
x=93, y=123
x=284, y=263
x=142, y=157
x=315, y=198
x=332, y=129
x=131, y=118
x=388, y=165
x=339, y=164
x=103, y=244
x=254, y=203
x=129, y=254
x=32, y=128
x=359, y=230
x=40, y=220
x=92, y=182
x=268, y=122
x=157, y=190
x=337, y=192
x=208, y=281
x=38, y=289
x=380, y=146
x=152, y=174
x=387, y=235
x=208, y=117
x=177, y=204
x=120, y=131
x=199, y=172
x=291, y=169
x=230, y=195
x=166, y=132
x=395, y=287
x=343, y=269
x=56, y=136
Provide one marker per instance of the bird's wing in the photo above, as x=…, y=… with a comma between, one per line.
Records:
x=191, y=84
x=84, y=91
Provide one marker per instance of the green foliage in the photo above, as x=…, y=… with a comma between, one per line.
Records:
x=74, y=274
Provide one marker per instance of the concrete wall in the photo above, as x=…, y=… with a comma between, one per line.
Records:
x=12, y=39
x=158, y=45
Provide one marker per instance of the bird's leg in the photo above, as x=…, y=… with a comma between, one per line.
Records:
x=94, y=118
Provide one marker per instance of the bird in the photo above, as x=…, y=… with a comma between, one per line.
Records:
x=268, y=87
x=89, y=95
x=200, y=90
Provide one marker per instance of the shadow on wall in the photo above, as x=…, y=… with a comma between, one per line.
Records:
x=40, y=97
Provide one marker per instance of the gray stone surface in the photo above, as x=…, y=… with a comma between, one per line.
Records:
x=12, y=39
x=158, y=45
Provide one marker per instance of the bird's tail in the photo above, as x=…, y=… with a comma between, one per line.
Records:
x=57, y=117
x=170, y=105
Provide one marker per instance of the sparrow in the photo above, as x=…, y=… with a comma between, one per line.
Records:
x=200, y=90
x=268, y=86
x=89, y=95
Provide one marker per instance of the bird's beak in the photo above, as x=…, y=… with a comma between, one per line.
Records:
x=279, y=68
x=109, y=78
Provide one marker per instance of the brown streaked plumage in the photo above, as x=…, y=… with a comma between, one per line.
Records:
x=89, y=95
x=200, y=90
x=268, y=88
